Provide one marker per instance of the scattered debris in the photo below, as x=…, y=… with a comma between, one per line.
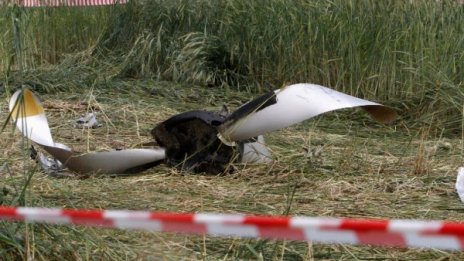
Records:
x=460, y=183
x=255, y=151
x=198, y=141
x=192, y=143
x=313, y=152
x=49, y=165
x=29, y=115
x=88, y=121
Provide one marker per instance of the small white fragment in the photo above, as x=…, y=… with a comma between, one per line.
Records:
x=88, y=121
x=256, y=152
x=51, y=165
x=460, y=183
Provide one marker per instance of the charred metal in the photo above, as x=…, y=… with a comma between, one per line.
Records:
x=191, y=142
x=255, y=105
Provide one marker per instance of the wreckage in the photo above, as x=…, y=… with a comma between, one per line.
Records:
x=198, y=141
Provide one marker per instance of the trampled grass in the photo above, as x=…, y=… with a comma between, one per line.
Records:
x=364, y=170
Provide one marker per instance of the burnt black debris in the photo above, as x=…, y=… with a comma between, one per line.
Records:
x=191, y=138
x=255, y=105
x=191, y=142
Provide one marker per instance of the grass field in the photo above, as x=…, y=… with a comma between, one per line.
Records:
x=365, y=170
x=139, y=64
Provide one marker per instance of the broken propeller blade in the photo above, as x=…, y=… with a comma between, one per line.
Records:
x=198, y=140
x=290, y=105
x=29, y=116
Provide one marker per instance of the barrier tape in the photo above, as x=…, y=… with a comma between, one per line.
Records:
x=55, y=3
x=399, y=233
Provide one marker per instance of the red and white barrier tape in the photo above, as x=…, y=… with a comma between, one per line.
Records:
x=51, y=3
x=400, y=233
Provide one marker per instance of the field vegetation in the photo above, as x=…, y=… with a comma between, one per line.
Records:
x=139, y=63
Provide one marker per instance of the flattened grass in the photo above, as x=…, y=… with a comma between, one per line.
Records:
x=364, y=170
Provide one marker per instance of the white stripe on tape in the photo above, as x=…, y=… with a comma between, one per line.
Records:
x=217, y=218
x=304, y=222
x=414, y=226
x=431, y=241
x=233, y=230
x=336, y=236
x=43, y=215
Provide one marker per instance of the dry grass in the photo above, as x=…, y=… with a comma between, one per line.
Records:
x=364, y=170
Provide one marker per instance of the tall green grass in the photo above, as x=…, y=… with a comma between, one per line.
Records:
x=36, y=37
x=411, y=52
x=387, y=49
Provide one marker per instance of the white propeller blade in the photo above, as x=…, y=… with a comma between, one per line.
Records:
x=291, y=105
x=28, y=113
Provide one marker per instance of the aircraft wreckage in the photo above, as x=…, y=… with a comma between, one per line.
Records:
x=198, y=141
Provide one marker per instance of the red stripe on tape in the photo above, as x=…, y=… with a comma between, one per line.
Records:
x=7, y=211
x=364, y=224
x=452, y=228
x=173, y=217
x=87, y=217
x=10, y=213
